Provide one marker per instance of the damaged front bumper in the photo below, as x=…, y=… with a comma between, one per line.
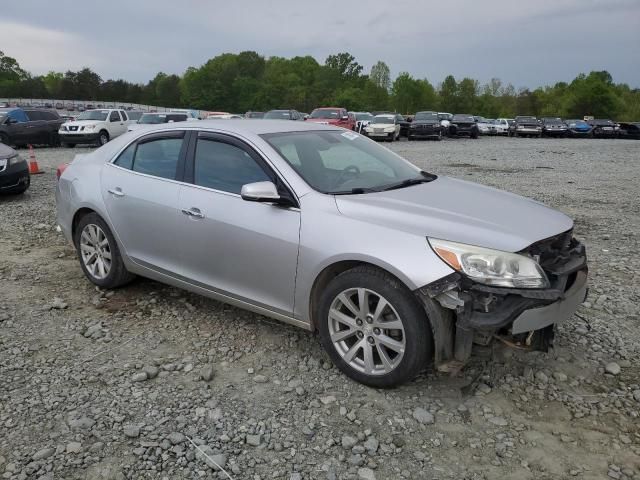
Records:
x=477, y=313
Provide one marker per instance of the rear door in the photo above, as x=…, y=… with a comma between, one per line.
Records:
x=35, y=129
x=242, y=249
x=117, y=126
x=140, y=189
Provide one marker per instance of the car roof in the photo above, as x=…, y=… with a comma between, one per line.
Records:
x=244, y=126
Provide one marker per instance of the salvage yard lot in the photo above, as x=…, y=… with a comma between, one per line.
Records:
x=108, y=384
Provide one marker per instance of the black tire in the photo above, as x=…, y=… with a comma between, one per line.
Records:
x=68, y=145
x=474, y=135
x=118, y=274
x=417, y=331
x=409, y=138
x=54, y=139
x=103, y=138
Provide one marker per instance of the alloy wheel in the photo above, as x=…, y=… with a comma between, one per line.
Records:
x=95, y=251
x=366, y=331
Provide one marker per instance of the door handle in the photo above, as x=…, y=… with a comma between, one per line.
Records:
x=116, y=192
x=193, y=212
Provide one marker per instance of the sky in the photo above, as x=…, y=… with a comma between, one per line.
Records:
x=528, y=44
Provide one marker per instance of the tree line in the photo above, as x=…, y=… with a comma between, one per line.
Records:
x=249, y=81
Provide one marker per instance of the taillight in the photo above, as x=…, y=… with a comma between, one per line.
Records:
x=61, y=168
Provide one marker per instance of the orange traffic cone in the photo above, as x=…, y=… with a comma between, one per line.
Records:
x=34, y=169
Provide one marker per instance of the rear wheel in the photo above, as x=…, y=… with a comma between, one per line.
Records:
x=99, y=254
x=373, y=328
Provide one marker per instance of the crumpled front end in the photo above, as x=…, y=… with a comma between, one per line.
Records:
x=518, y=316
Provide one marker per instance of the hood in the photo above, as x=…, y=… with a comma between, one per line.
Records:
x=459, y=211
x=6, y=151
x=381, y=125
x=527, y=123
x=82, y=123
x=325, y=121
x=425, y=122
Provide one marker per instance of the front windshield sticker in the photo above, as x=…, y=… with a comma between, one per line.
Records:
x=350, y=135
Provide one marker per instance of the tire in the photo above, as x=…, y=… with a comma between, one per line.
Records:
x=410, y=347
x=103, y=138
x=474, y=135
x=54, y=139
x=409, y=138
x=116, y=273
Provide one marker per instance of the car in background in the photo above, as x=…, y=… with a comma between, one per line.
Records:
x=70, y=107
x=484, y=126
x=426, y=125
x=254, y=115
x=464, y=125
x=527, y=126
x=400, y=119
x=578, y=128
x=224, y=116
x=362, y=119
x=335, y=116
x=94, y=127
x=383, y=127
x=14, y=171
x=59, y=106
x=629, y=130
x=445, y=120
x=283, y=115
x=134, y=115
x=26, y=126
x=501, y=126
x=158, y=118
x=603, y=128
x=554, y=127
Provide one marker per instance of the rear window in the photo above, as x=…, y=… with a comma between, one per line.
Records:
x=327, y=113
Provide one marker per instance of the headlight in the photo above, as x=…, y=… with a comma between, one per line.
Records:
x=520, y=127
x=89, y=127
x=390, y=129
x=491, y=267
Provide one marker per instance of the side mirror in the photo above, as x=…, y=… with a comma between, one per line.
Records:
x=260, y=192
x=346, y=117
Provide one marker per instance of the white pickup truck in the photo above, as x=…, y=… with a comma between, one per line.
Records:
x=94, y=126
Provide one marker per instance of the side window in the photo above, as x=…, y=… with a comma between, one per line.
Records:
x=123, y=114
x=27, y=116
x=158, y=157
x=114, y=117
x=125, y=160
x=225, y=167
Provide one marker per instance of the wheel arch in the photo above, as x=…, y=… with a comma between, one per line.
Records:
x=334, y=269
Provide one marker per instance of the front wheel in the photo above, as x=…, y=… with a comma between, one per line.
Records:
x=99, y=254
x=103, y=138
x=373, y=328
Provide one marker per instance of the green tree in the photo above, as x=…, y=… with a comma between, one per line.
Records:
x=345, y=64
x=380, y=75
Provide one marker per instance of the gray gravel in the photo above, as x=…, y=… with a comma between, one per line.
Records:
x=152, y=382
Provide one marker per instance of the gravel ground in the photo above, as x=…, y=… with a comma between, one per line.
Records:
x=124, y=384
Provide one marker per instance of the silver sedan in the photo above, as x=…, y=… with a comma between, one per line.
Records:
x=394, y=267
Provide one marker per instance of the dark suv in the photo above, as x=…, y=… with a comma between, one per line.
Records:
x=29, y=126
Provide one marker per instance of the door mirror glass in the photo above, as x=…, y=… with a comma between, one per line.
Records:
x=260, y=192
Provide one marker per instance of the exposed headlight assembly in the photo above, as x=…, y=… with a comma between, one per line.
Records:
x=491, y=267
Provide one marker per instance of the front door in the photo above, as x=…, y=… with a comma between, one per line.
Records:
x=246, y=250
x=141, y=194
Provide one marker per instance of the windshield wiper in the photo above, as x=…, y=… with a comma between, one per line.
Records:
x=425, y=178
x=355, y=191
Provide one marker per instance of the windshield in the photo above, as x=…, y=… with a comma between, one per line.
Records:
x=577, y=122
x=255, y=115
x=603, y=122
x=445, y=116
x=342, y=162
x=134, y=115
x=463, y=118
x=526, y=119
x=427, y=116
x=277, y=114
x=386, y=120
x=363, y=116
x=325, y=113
x=94, y=115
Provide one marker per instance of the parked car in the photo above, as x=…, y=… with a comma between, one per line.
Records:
x=59, y=106
x=464, y=125
x=14, y=171
x=630, y=130
x=135, y=115
x=554, y=127
x=69, y=107
x=332, y=116
x=224, y=116
x=383, y=127
x=445, y=121
x=21, y=127
x=426, y=125
x=603, y=128
x=400, y=119
x=578, y=128
x=484, y=126
x=283, y=115
x=527, y=126
x=254, y=115
x=94, y=126
x=362, y=119
x=156, y=119
x=423, y=264
x=501, y=126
